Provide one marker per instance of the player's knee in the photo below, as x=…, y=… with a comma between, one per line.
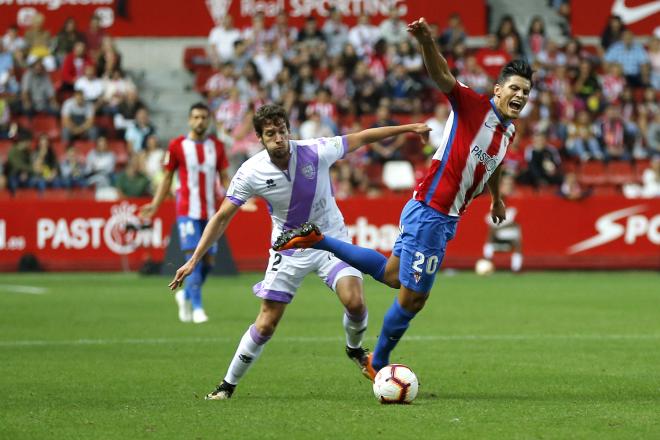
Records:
x=265, y=326
x=412, y=301
x=266, y=322
x=355, y=304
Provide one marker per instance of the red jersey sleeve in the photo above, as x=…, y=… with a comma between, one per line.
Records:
x=462, y=97
x=171, y=160
x=221, y=162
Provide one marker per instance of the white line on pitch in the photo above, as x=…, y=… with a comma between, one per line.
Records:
x=29, y=290
x=421, y=338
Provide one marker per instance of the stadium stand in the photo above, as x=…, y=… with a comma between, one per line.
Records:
x=359, y=75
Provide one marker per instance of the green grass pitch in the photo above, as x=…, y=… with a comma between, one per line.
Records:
x=557, y=355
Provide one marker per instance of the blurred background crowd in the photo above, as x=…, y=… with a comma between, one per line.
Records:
x=71, y=117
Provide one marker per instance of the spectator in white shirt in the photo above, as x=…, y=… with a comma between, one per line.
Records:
x=393, y=29
x=363, y=35
x=77, y=118
x=269, y=63
x=336, y=32
x=90, y=85
x=138, y=131
x=100, y=164
x=222, y=38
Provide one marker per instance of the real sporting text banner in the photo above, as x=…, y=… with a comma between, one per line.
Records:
x=150, y=18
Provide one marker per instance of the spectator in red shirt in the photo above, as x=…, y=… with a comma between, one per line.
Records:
x=94, y=35
x=73, y=66
x=492, y=58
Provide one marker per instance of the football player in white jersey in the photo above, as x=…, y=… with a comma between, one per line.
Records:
x=293, y=177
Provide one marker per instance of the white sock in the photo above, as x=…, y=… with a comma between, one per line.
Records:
x=248, y=351
x=489, y=251
x=516, y=261
x=355, y=326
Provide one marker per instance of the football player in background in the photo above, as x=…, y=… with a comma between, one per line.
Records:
x=294, y=179
x=199, y=160
x=474, y=143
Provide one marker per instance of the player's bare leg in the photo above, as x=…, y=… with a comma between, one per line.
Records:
x=250, y=348
x=391, y=277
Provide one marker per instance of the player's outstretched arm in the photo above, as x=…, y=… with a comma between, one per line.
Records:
x=371, y=135
x=149, y=210
x=212, y=232
x=497, y=208
x=435, y=63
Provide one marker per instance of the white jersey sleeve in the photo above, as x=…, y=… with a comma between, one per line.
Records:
x=240, y=188
x=332, y=149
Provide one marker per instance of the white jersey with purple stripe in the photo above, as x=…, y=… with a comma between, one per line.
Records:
x=301, y=193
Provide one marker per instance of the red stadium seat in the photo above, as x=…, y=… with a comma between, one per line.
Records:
x=119, y=147
x=41, y=124
x=374, y=173
x=201, y=76
x=570, y=166
x=413, y=149
x=593, y=173
x=620, y=172
x=4, y=149
x=106, y=125
x=640, y=166
x=195, y=57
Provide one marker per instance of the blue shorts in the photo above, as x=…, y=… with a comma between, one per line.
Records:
x=190, y=232
x=421, y=244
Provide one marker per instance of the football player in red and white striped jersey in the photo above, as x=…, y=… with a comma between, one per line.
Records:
x=473, y=144
x=199, y=160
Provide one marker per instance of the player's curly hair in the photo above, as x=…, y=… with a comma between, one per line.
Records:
x=517, y=67
x=269, y=113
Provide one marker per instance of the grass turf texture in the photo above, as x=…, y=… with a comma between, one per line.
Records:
x=540, y=355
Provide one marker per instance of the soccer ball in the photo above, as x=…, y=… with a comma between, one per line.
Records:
x=484, y=267
x=395, y=383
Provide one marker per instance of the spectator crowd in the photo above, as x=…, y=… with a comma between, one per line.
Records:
x=590, y=105
x=70, y=115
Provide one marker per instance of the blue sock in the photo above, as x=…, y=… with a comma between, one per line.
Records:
x=365, y=260
x=193, y=287
x=395, y=324
x=206, y=269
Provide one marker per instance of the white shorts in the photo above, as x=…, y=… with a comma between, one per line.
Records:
x=286, y=271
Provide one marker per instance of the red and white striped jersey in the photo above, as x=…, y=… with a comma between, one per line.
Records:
x=473, y=145
x=198, y=165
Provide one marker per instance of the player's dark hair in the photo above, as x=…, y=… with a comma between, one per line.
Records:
x=517, y=67
x=198, y=106
x=269, y=113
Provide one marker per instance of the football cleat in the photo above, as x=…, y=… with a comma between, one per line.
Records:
x=185, y=308
x=306, y=236
x=360, y=356
x=222, y=392
x=199, y=316
x=369, y=371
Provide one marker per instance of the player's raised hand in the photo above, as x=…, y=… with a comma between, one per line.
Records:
x=420, y=30
x=181, y=275
x=498, y=212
